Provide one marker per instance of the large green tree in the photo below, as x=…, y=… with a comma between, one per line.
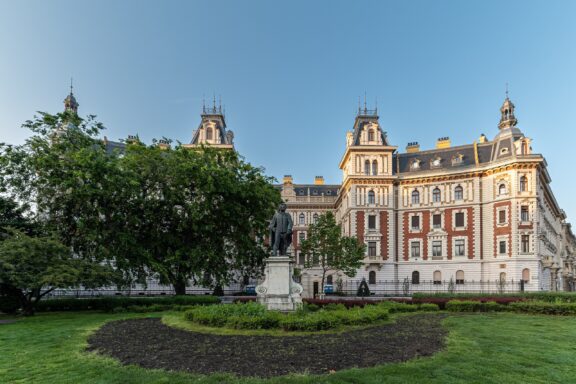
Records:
x=326, y=248
x=32, y=267
x=197, y=214
x=176, y=213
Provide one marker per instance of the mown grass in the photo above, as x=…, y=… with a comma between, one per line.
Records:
x=482, y=348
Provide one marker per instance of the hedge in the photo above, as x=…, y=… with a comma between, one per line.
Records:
x=568, y=297
x=473, y=306
x=544, y=308
x=113, y=303
x=310, y=318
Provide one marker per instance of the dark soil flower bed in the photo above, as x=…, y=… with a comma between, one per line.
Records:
x=151, y=344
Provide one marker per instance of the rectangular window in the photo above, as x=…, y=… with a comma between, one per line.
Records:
x=415, y=222
x=437, y=221
x=502, y=217
x=371, y=248
x=459, y=247
x=415, y=249
x=524, y=213
x=301, y=237
x=437, y=249
x=525, y=243
x=459, y=218
x=371, y=222
x=301, y=259
x=502, y=246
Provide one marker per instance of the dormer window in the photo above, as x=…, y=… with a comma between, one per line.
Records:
x=436, y=162
x=415, y=165
x=208, y=133
x=504, y=151
x=457, y=159
x=370, y=135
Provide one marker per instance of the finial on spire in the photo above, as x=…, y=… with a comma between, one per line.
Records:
x=71, y=84
x=220, y=103
x=506, y=89
x=214, y=102
x=359, y=108
x=365, y=108
x=376, y=105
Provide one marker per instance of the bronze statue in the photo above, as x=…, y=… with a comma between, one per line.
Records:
x=281, y=231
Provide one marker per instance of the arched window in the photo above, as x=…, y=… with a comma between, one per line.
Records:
x=315, y=218
x=437, y=277
x=458, y=193
x=371, y=197
x=372, y=277
x=502, y=189
x=526, y=275
x=374, y=168
x=502, y=277
x=208, y=133
x=329, y=279
x=523, y=184
x=436, y=195
x=459, y=277
x=367, y=167
x=415, y=197
x=301, y=219
x=370, y=135
x=415, y=277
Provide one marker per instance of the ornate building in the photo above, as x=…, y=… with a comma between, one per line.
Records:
x=478, y=217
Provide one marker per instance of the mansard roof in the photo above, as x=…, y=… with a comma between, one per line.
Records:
x=313, y=189
x=450, y=158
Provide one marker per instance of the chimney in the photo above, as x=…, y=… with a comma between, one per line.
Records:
x=163, y=144
x=443, y=142
x=482, y=139
x=319, y=180
x=132, y=139
x=287, y=179
x=413, y=147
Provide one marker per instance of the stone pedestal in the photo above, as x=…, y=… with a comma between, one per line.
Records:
x=279, y=292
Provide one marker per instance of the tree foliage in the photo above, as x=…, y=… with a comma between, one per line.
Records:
x=326, y=248
x=176, y=213
x=197, y=214
x=32, y=267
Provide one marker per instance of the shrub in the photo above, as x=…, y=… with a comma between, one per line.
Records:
x=317, y=321
x=473, y=306
x=9, y=304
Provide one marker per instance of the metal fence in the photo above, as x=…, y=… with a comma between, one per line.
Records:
x=407, y=288
x=231, y=290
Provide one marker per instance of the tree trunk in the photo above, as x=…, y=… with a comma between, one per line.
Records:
x=27, y=307
x=179, y=287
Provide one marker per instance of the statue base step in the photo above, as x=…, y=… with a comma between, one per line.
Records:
x=279, y=292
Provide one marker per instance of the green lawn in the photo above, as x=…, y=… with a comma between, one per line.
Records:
x=491, y=348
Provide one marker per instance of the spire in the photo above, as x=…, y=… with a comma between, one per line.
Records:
x=507, y=118
x=70, y=103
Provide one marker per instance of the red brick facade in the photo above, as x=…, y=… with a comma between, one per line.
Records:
x=384, y=233
x=360, y=226
x=422, y=234
x=467, y=231
x=501, y=230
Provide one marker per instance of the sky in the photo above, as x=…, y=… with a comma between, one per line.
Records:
x=290, y=73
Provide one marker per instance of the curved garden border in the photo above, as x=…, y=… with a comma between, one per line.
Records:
x=151, y=344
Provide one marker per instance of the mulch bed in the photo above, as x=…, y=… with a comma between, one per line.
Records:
x=151, y=344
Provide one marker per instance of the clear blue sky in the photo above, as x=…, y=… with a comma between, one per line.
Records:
x=290, y=72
